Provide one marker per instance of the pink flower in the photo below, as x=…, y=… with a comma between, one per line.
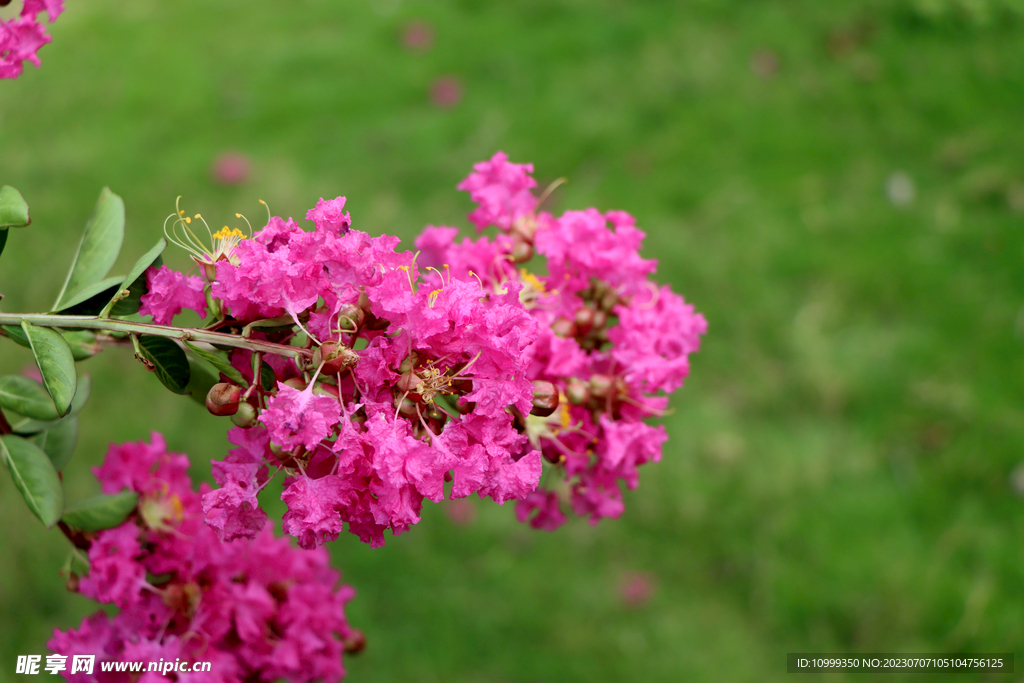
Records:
x=328, y=216
x=21, y=38
x=115, y=575
x=296, y=418
x=233, y=510
x=169, y=292
x=257, y=609
x=549, y=514
x=636, y=588
x=446, y=92
x=313, y=509
x=501, y=190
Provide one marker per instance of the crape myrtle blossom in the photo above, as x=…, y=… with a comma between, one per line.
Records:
x=442, y=373
x=258, y=609
x=21, y=38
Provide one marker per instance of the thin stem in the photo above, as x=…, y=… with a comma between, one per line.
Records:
x=92, y=322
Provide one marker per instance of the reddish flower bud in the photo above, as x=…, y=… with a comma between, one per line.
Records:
x=335, y=357
x=584, y=319
x=600, y=319
x=355, y=642
x=223, y=398
x=295, y=383
x=409, y=382
x=563, y=327
x=545, y=398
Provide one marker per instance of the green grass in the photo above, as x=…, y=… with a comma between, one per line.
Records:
x=838, y=475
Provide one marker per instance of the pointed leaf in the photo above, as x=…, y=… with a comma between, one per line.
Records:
x=135, y=281
x=25, y=425
x=102, y=512
x=17, y=335
x=100, y=245
x=222, y=364
x=267, y=378
x=13, y=209
x=35, y=476
x=82, y=342
x=201, y=381
x=59, y=442
x=90, y=300
x=55, y=363
x=26, y=397
x=169, y=362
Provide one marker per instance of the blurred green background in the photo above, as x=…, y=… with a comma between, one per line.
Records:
x=837, y=186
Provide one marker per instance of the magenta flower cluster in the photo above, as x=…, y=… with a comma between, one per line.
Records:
x=21, y=38
x=257, y=610
x=437, y=374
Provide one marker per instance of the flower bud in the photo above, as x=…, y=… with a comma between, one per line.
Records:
x=355, y=642
x=223, y=398
x=335, y=357
x=409, y=382
x=350, y=317
x=545, y=398
x=406, y=406
x=601, y=386
x=245, y=417
x=577, y=391
x=609, y=300
x=521, y=251
x=72, y=583
x=563, y=327
x=584, y=319
x=600, y=319
x=410, y=362
x=295, y=383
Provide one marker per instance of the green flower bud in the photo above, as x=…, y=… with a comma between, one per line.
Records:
x=245, y=417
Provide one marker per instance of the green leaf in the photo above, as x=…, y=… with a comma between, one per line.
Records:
x=25, y=425
x=201, y=381
x=59, y=442
x=267, y=378
x=13, y=209
x=55, y=363
x=101, y=512
x=17, y=335
x=35, y=476
x=82, y=342
x=90, y=300
x=3, y=239
x=26, y=397
x=169, y=362
x=222, y=364
x=100, y=245
x=135, y=281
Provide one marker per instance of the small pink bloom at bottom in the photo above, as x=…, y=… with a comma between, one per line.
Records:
x=636, y=588
x=461, y=511
x=446, y=92
x=230, y=168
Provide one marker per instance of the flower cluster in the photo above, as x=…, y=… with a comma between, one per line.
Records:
x=437, y=374
x=258, y=610
x=22, y=37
